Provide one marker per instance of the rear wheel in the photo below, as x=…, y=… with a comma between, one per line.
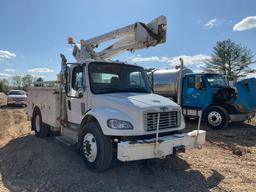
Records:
x=217, y=117
x=96, y=148
x=41, y=129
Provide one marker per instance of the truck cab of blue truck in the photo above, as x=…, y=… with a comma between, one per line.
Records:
x=209, y=95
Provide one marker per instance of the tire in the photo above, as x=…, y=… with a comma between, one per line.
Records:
x=95, y=148
x=216, y=117
x=41, y=129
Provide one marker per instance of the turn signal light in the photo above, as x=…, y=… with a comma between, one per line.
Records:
x=70, y=40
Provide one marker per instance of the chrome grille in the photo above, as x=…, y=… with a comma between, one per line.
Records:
x=167, y=120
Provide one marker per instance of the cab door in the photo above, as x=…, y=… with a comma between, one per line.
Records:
x=77, y=96
x=195, y=93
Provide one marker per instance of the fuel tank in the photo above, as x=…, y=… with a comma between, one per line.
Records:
x=165, y=81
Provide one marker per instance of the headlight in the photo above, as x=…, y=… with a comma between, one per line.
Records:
x=119, y=124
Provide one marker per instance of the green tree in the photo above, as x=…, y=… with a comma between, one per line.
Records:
x=4, y=85
x=26, y=81
x=231, y=59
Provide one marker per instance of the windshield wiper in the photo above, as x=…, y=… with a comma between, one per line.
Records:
x=109, y=90
x=140, y=90
x=115, y=90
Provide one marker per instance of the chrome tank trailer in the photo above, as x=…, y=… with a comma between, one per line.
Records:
x=165, y=82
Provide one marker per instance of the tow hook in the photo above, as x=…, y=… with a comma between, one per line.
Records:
x=179, y=149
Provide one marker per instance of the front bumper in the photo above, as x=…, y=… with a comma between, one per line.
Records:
x=17, y=103
x=145, y=149
x=241, y=117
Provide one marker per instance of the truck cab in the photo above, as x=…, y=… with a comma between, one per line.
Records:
x=209, y=95
x=117, y=94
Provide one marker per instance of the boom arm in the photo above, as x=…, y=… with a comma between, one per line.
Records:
x=129, y=38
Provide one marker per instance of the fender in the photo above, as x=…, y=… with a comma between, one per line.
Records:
x=231, y=109
x=101, y=116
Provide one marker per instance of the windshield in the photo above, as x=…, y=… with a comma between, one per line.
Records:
x=113, y=77
x=16, y=93
x=216, y=80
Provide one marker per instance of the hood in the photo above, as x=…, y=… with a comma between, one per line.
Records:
x=224, y=95
x=246, y=94
x=132, y=100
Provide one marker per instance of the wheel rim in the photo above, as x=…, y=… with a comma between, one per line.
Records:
x=38, y=123
x=214, y=118
x=90, y=147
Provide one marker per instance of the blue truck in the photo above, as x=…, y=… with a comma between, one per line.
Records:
x=208, y=95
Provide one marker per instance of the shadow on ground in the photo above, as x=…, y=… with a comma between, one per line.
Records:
x=32, y=164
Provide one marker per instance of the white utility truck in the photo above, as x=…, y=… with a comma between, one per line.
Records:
x=107, y=107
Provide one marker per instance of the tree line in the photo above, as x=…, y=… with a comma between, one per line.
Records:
x=17, y=82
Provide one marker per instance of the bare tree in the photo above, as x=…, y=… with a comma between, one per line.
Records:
x=17, y=81
x=26, y=81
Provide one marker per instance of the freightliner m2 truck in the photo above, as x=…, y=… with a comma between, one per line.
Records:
x=207, y=94
x=107, y=107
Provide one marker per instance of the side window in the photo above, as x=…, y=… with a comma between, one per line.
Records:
x=136, y=79
x=191, y=82
x=78, y=78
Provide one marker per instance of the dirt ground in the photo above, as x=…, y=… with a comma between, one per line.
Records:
x=227, y=162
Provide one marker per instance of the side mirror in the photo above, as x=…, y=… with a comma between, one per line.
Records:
x=67, y=88
x=199, y=82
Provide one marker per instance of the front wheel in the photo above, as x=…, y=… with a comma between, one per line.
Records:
x=217, y=117
x=96, y=148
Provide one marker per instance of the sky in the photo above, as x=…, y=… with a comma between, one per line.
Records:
x=33, y=33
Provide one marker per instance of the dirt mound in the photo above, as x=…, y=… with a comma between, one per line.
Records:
x=13, y=121
x=13, y=124
x=3, y=99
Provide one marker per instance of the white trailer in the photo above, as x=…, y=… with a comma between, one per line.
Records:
x=107, y=107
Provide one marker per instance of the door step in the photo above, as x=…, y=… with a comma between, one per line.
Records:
x=65, y=140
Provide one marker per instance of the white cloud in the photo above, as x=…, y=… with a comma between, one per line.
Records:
x=173, y=61
x=211, y=23
x=190, y=60
x=6, y=54
x=4, y=75
x=149, y=59
x=40, y=70
x=9, y=70
x=245, y=24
